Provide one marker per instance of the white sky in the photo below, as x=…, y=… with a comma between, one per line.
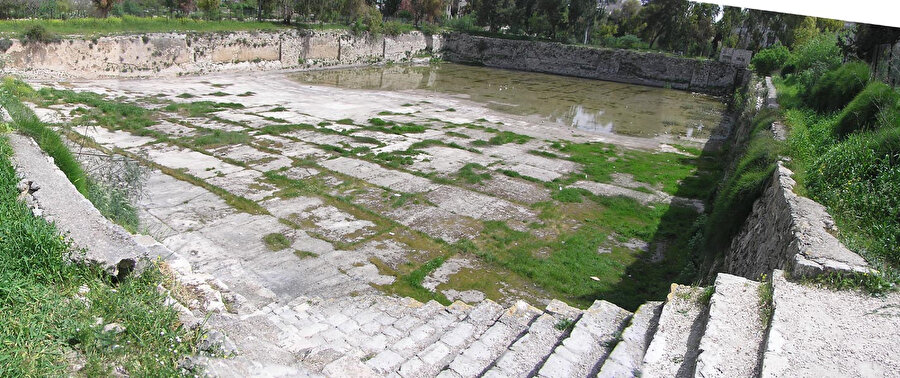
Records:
x=879, y=12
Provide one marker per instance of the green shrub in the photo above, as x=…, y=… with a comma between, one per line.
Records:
x=627, y=41
x=463, y=24
x=811, y=60
x=838, y=87
x=429, y=28
x=770, y=60
x=859, y=181
x=38, y=34
x=871, y=108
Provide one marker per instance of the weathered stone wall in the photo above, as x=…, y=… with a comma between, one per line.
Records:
x=190, y=53
x=634, y=67
x=787, y=231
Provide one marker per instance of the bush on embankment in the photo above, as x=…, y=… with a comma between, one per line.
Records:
x=849, y=161
x=874, y=107
x=838, y=87
x=53, y=312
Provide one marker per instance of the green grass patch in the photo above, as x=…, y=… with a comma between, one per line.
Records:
x=201, y=108
x=473, y=173
x=411, y=284
x=458, y=135
x=345, y=121
x=276, y=242
x=218, y=138
x=130, y=24
x=505, y=137
x=569, y=195
x=676, y=174
x=284, y=128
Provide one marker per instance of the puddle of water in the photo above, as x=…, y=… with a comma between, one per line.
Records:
x=584, y=104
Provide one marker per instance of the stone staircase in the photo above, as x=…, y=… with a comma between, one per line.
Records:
x=697, y=332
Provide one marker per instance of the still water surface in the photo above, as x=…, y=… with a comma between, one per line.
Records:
x=584, y=104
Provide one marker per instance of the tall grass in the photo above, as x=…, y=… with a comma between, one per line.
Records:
x=26, y=121
x=850, y=162
x=45, y=329
x=131, y=24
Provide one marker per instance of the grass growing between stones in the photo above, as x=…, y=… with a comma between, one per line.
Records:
x=570, y=265
x=25, y=120
x=687, y=176
x=46, y=323
x=276, y=242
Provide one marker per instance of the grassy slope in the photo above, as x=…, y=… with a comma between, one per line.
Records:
x=130, y=24
x=863, y=206
x=44, y=329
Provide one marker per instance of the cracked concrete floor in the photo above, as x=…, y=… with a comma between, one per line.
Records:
x=358, y=209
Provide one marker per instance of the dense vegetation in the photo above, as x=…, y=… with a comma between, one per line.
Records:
x=53, y=313
x=844, y=144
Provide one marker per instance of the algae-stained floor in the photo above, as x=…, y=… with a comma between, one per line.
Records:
x=406, y=192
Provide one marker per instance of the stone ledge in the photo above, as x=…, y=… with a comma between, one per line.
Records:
x=787, y=231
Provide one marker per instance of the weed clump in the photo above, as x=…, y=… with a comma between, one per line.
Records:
x=276, y=242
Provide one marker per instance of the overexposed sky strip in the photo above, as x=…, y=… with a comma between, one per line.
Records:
x=879, y=12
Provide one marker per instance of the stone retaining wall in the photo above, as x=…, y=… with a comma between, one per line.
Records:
x=627, y=66
x=172, y=54
x=787, y=231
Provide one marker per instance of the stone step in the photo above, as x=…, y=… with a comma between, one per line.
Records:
x=820, y=332
x=733, y=338
x=625, y=359
x=673, y=350
x=480, y=354
x=593, y=337
x=529, y=352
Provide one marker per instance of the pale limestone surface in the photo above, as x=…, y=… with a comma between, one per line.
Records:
x=817, y=332
x=673, y=351
x=732, y=342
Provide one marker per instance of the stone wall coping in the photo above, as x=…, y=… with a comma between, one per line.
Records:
x=818, y=250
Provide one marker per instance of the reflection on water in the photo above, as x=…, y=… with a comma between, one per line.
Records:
x=589, y=105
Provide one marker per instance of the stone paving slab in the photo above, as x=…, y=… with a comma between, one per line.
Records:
x=590, y=341
x=673, y=350
x=114, y=138
x=732, y=342
x=818, y=332
x=625, y=359
x=193, y=162
x=376, y=175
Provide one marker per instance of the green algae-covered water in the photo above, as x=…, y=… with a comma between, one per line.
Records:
x=584, y=104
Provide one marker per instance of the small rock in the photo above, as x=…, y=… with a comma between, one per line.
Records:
x=37, y=212
x=83, y=290
x=34, y=186
x=98, y=321
x=23, y=186
x=115, y=328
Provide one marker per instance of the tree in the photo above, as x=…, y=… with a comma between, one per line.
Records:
x=390, y=7
x=209, y=7
x=103, y=6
